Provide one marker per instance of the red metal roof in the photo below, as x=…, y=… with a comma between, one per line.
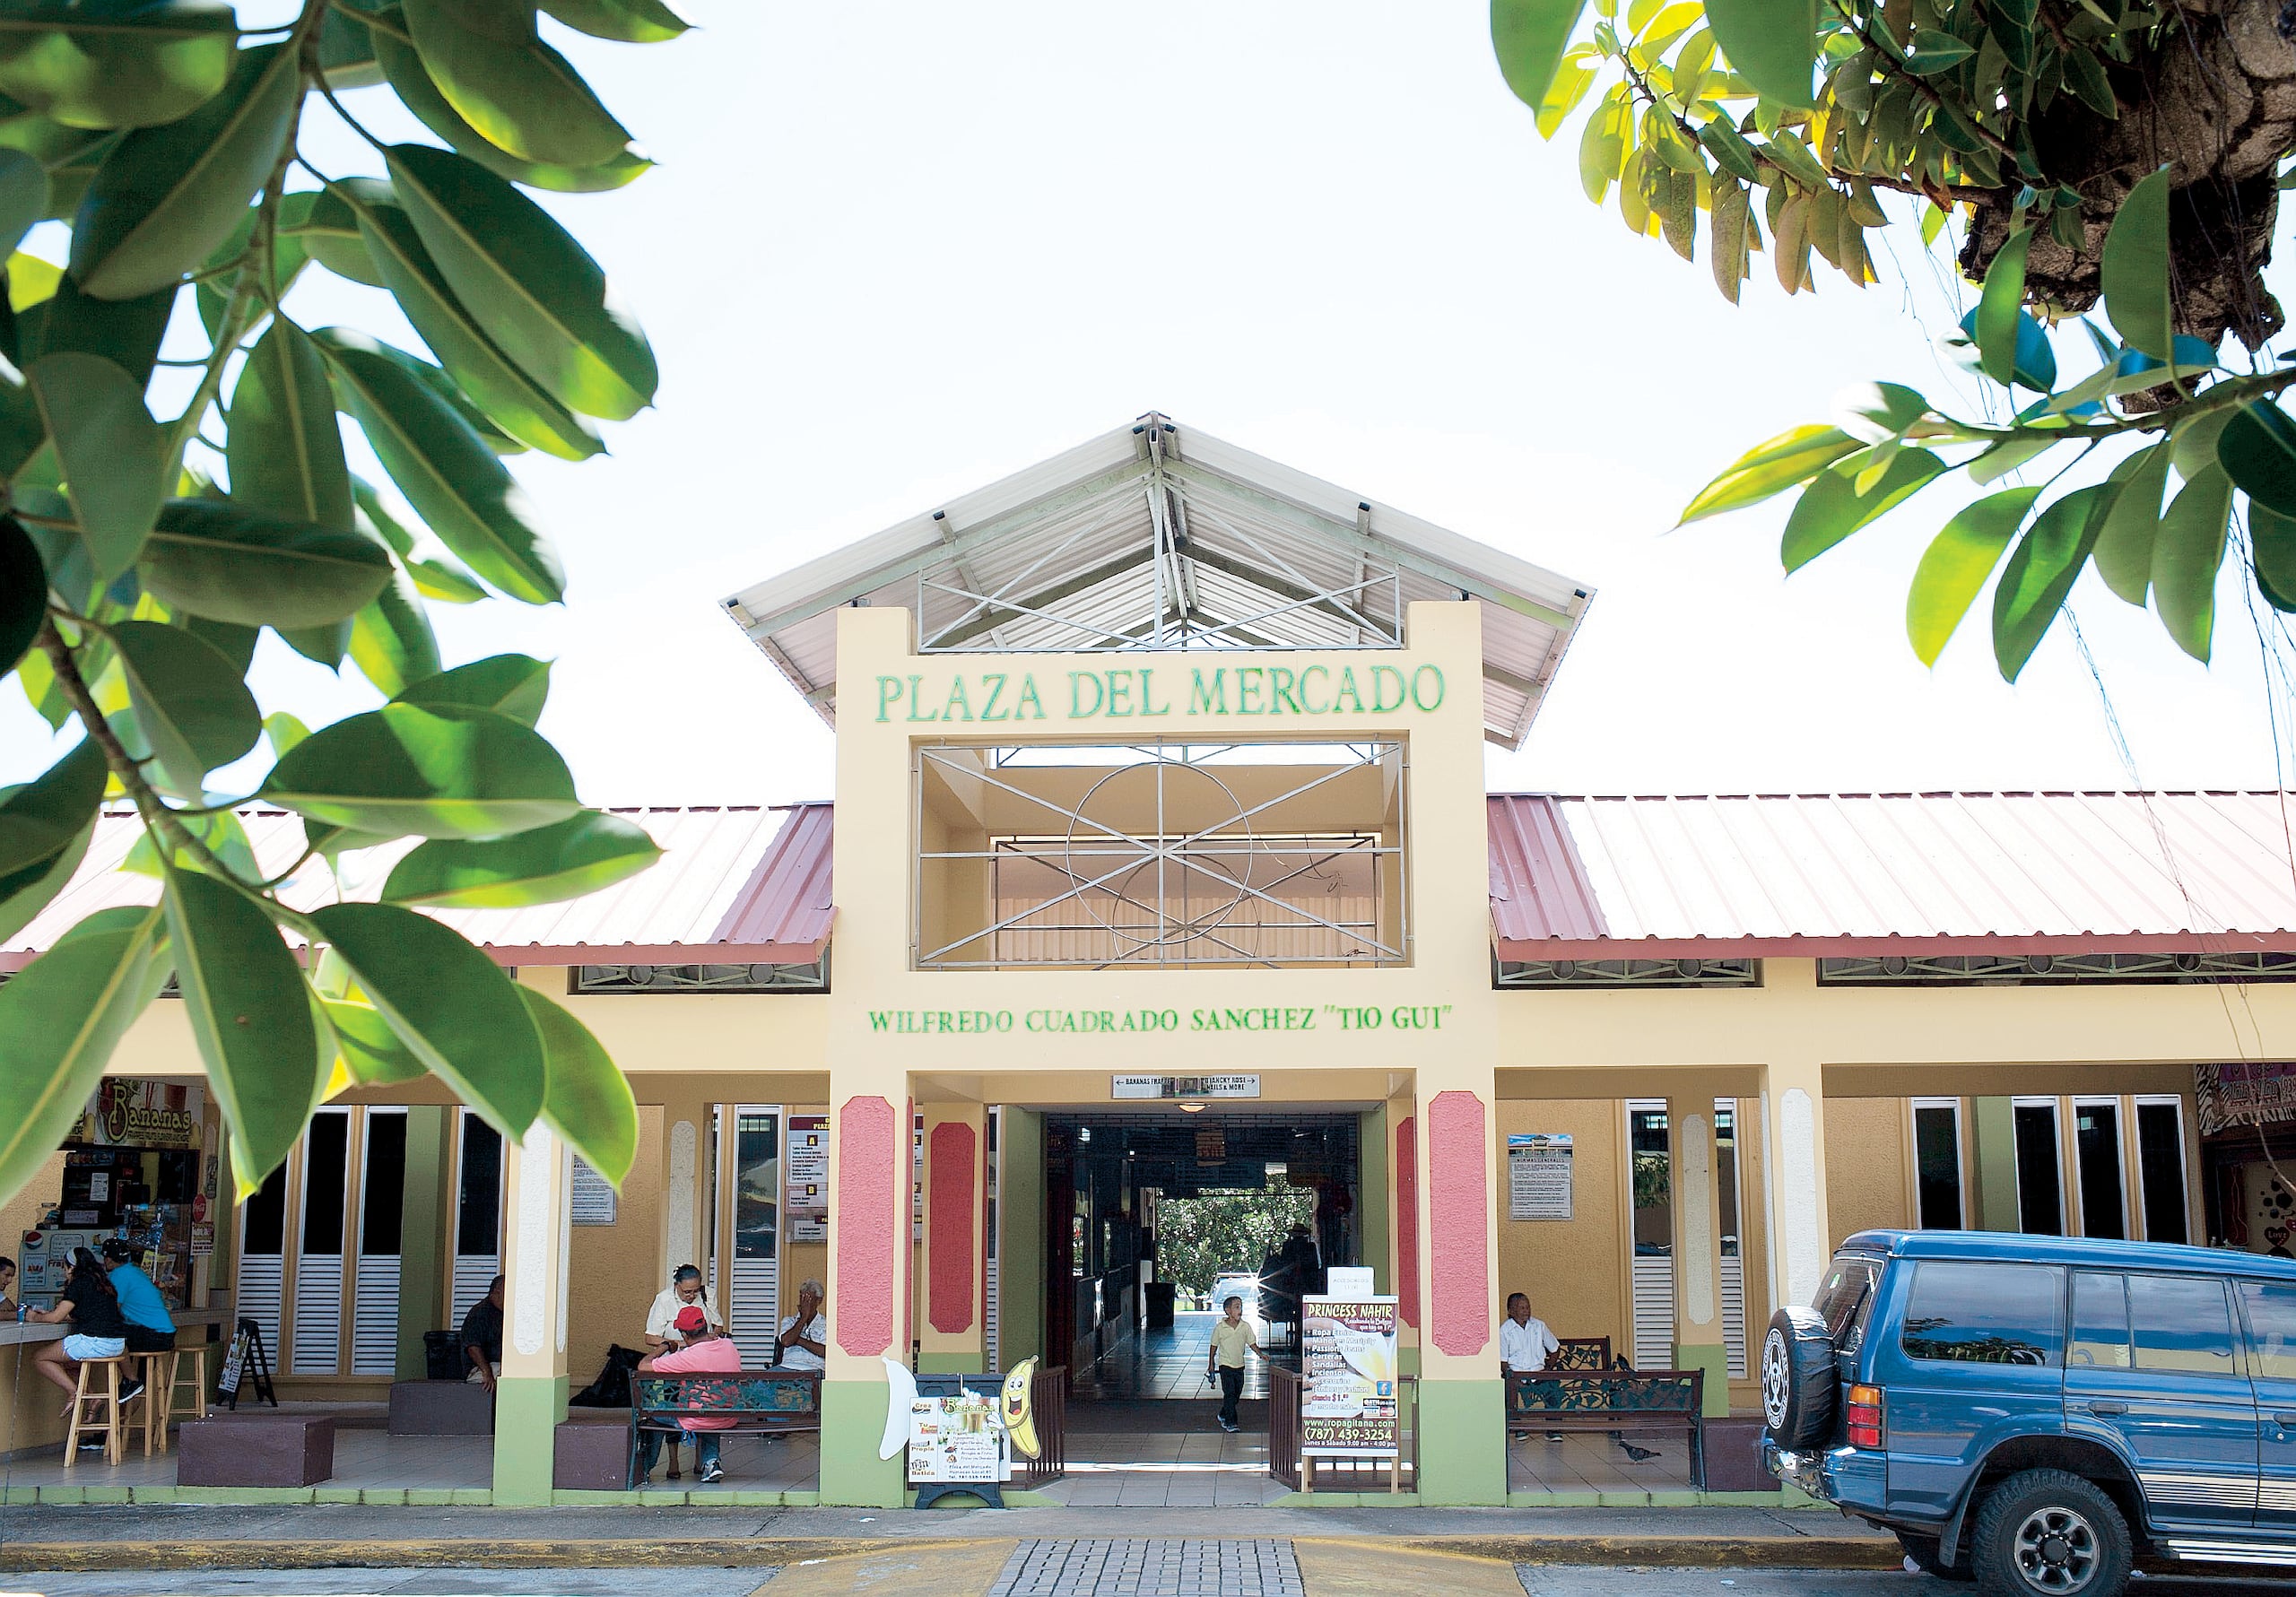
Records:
x=736, y=884
x=1640, y=877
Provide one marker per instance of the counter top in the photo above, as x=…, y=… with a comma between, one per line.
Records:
x=14, y=1335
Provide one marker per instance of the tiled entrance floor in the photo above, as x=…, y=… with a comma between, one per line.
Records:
x=1582, y=1462
x=1156, y=1456
x=1166, y=1364
x=1262, y=1568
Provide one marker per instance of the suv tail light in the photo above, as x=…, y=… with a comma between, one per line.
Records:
x=1864, y=1416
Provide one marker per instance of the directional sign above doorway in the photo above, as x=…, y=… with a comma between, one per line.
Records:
x=1183, y=1086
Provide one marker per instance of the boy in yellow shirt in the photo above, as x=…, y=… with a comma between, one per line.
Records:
x=1231, y=1338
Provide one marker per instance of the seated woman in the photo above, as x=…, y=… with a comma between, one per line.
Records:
x=99, y=1329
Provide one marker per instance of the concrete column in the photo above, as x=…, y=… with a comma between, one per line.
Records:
x=1993, y=1146
x=538, y=1188
x=1794, y=1128
x=1697, y=1212
x=1372, y=1199
x=869, y=1256
x=686, y=1166
x=425, y=1217
x=1020, y=1242
x=952, y=1329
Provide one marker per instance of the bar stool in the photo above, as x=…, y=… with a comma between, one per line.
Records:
x=96, y=1410
x=178, y=1381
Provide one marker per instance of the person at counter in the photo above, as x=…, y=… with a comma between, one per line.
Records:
x=9, y=1306
x=685, y=1291
x=99, y=1329
x=151, y=1328
x=481, y=1337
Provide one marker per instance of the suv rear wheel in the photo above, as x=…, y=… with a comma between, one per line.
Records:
x=2049, y=1533
x=1799, y=1379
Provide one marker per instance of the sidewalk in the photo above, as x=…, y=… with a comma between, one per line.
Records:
x=144, y=1536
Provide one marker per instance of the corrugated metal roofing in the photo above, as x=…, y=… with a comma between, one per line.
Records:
x=1153, y=536
x=1587, y=877
x=735, y=884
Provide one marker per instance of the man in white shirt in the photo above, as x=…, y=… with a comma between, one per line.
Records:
x=1524, y=1342
x=685, y=1290
x=803, y=1341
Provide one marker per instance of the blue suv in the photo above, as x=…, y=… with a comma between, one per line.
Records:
x=2030, y=1412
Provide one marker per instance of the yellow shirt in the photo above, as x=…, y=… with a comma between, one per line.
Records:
x=1230, y=1340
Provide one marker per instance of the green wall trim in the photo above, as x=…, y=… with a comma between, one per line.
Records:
x=1406, y=1360
x=853, y=1419
x=527, y=1412
x=1715, y=1360
x=421, y=1237
x=1461, y=1443
x=1371, y=1196
x=1993, y=1141
x=973, y=1363
x=1020, y=1219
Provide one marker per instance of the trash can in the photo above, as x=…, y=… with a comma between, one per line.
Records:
x=1159, y=1304
x=442, y=1356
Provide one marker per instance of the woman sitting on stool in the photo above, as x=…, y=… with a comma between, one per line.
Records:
x=99, y=1329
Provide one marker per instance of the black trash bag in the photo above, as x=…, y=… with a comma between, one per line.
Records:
x=442, y=1356
x=610, y=1390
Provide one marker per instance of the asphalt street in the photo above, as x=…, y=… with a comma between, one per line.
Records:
x=1556, y=1580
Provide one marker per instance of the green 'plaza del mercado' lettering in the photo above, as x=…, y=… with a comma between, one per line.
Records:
x=1130, y=692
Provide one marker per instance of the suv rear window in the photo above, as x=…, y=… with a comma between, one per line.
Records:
x=1985, y=1314
x=1849, y=1289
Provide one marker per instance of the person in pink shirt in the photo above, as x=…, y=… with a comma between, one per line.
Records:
x=705, y=1353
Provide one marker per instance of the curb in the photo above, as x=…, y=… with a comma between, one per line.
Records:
x=1757, y=1552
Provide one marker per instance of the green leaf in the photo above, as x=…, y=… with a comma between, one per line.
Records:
x=2124, y=551
x=501, y=388
x=520, y=94
x=391, y=639
x=2133, y=268
x=286, y=446
x=577, y=856
x=347, y=52
x=1954, y=569
x=633, y=22
x=2186, y=552
x=229, y=563
x=2084, y=74
x=368, y=1049
x=39, y=820
x=24, y=893
x=514, y=685
x=60, y=1019
x=2257, y=450
x=114, y=456
x=420, y=95
x=587, y=1101
x=125, y=332
x=220, y=273
x=535, y=291
x=243, y=993
x=1831, y=508
x=1772, y=44
x=450, y=1006
x=328, y=230
x=1729, y=148
x=23, y=196
x=283, y=732
x=444, y=468
x=191, y=711
x=448, y=584
x=116, y=65
x=167, y=196
x=1874, y=412
x=2272, y=548
x=1769, y=468
x=1529, y=37
x=436, y=771
x=2041, y=570
x=2006, y=456
x=24, y=592
x=1933, y=51
x=220, y=833
x=2000, y=307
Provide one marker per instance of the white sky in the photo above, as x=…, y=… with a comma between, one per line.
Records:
x=895, y=251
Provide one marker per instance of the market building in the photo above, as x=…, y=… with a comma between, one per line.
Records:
x=1161, y=861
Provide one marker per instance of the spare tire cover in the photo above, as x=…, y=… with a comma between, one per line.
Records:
x=1799, y=1379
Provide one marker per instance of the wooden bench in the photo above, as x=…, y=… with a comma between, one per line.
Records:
x=758, y=1401
x=1581, y=1352
x=1612, y=1401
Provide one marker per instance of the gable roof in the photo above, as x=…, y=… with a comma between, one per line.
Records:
x=1658, y=877
x=1154, y=536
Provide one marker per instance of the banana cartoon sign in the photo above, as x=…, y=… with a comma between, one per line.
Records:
x=960, y=1436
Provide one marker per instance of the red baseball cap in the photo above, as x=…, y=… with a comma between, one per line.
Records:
x=691, y=1319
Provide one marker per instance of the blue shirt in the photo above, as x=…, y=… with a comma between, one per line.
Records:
x=139, y=1299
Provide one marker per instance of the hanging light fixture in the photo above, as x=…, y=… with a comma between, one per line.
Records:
x=1191, y=1109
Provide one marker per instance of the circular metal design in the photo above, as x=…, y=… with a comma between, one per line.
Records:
x=1166, y=929
x=1776, y=1378
x=2057, y=1551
